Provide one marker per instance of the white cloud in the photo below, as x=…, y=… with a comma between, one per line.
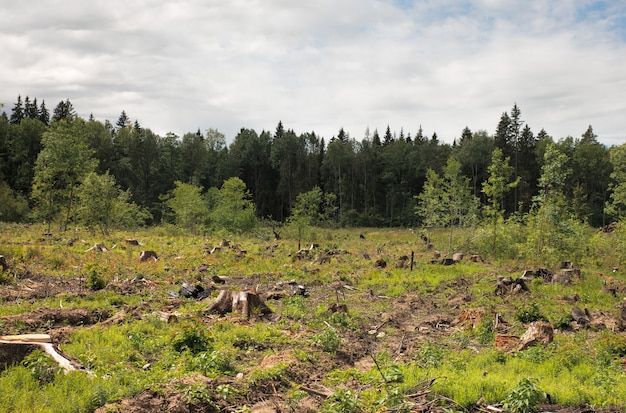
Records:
x=182, y=65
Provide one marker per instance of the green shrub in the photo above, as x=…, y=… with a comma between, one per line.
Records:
x=42, y=367
x=94, y=280
x=529, y=314
x=524, y=397
x=192, y=339
x=211, y=361
x=341, y=401
x=328, y=340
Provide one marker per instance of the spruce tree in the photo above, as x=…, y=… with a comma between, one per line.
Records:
x=44, y=114
x=17, y=113
x=64, y=111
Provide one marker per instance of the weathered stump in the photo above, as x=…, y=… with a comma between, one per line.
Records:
x=247, y=303
x=3, y=263
x=148, y=255
x=539, y=332
x=476, y=258
x=458, y=257
x=380, y=263
x=132, y=242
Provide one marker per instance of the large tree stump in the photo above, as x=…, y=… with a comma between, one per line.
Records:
x=247, y=303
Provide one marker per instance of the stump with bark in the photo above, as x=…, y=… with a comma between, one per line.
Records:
x=3, y=263
x=148, y=255
x=247, y=303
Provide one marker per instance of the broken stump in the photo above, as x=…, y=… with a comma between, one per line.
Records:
x=539, y=332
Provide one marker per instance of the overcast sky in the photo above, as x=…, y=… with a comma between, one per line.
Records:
x=176, y=66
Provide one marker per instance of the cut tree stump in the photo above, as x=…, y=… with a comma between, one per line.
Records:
x=21, y=345
x=147, y=255
x=3, y=263
x=247, y=303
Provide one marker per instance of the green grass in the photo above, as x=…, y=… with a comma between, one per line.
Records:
x=142, y=352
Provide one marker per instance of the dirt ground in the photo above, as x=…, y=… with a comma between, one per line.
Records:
x=406, y=322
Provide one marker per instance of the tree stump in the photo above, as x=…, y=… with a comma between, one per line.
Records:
x=132, y=242
x=3, y=263
x=458, y=257
x=505, y=342
x=147, y=255
x=247, y=303
x=476, y=258
x=380, y=263
x=539, y=332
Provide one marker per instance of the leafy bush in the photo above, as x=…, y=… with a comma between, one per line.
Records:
x=211, y=361
x=42, y=367
x=341, y=401
x=94, y=280
x=524, y=397
x=328, y=340
x=192, y=339
x=529, y=314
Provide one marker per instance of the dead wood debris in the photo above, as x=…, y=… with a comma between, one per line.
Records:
x=98, y=248
x=508, y=285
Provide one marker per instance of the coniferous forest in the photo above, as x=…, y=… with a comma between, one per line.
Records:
x=64, y=170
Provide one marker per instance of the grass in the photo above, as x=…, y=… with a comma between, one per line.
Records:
x=581, y=367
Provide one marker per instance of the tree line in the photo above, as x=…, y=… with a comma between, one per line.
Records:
x=52, y=165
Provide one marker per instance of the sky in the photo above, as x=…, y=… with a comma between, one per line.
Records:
x=318, y=66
